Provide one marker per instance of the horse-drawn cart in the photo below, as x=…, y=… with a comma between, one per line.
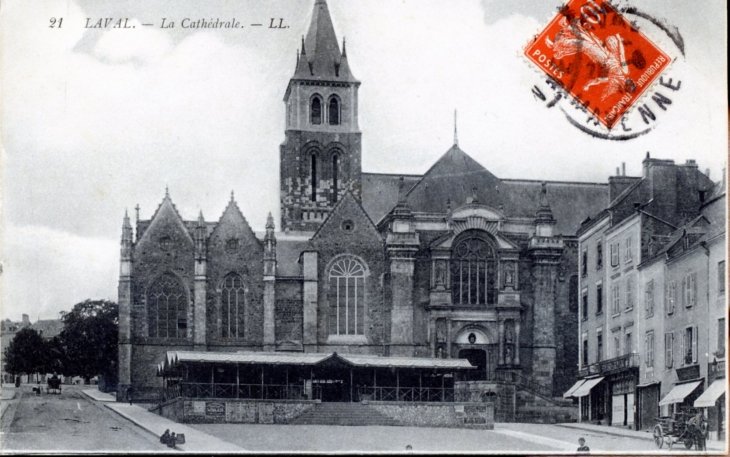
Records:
x=688, y=427
x=54, y=385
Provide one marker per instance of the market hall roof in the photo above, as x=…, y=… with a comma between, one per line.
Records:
x=173, y=358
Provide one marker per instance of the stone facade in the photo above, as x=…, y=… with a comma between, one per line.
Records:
x=454, y=263
x=649, y=314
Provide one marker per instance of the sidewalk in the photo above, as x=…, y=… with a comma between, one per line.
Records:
x=646, y=435
x=8, y=393
x=96, y=394
x=195, y=441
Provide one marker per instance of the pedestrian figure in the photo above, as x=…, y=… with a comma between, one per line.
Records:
x=165, y=437
x=171, y=440
x=583, y=448
x=129, y=395
x=409, y=448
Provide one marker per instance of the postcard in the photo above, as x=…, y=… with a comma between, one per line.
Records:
x=325, y=226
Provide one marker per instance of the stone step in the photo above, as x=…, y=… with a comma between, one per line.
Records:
x=354, y=414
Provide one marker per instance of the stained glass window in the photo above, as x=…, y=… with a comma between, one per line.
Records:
x=232, y=307
x=473, y=272
x=167, y=308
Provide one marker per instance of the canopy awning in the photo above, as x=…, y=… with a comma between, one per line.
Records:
x=679, y=393
x=405, y=362
x=710, y=396
x=585, y=389
x=174, y=358
x=569, y=393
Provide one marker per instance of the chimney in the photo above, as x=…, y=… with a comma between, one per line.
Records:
x=623, y=168
x=646, y=163
x=618, y=172
x=26, y=319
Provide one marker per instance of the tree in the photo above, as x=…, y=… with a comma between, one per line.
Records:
x=26, y=353
x=89, y=339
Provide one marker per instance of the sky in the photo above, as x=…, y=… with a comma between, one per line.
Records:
x=96, y=121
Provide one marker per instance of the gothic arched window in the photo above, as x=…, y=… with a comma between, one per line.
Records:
x=334, y=111
x=335, y=171
x=314, y=177
x=232, y=307
x=167, y=308
x=473, y=272
x=347, y=297
x=316, y=112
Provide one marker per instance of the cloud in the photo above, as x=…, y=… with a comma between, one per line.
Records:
x=46, y=271
x=121, y=45
x=96, y=121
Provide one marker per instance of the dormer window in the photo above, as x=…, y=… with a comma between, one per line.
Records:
x=316, y=112
x=334, y=111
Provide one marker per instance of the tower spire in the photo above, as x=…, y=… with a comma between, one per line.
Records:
x=456, y=135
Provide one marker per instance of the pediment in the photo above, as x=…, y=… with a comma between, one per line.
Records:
x=445, y=242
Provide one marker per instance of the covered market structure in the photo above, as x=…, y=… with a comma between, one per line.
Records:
x=329, y=377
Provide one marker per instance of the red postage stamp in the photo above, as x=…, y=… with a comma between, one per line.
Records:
x=598, y=57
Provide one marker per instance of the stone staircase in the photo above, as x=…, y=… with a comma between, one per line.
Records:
x=342, y=414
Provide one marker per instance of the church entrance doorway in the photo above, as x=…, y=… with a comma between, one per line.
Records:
x=333, y=390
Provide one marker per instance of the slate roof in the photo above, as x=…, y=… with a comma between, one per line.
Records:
x=48, y=327
x=456, y=174
x=320, y=58
x=570, y=202
x=301, y=358
x=380, y=192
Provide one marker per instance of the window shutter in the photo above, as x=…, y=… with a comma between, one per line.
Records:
x=646, y=345
x=693, y=290
x=682, y=353
x=682, y=291
x=694, y=344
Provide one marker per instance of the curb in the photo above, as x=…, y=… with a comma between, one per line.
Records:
x=648, y=436
x=138, y=424
x=608, y=432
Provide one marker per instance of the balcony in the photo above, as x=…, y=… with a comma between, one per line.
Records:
x=611, y=366
x=546, y=242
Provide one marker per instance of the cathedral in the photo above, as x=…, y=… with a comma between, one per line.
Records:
x=455, y=263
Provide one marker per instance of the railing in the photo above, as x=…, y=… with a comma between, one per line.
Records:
x=545, y=241
x=525, y=382
x=431, y=394
x=619, y=363
x=715, y=370
x=245, y=391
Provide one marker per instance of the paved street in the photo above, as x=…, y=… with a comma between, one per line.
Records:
x=73, y=422
x=526, y=438
x=69, y=422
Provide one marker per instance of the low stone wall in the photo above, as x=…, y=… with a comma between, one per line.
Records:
x=547, y=414
x=225, y=411
x=423, y=414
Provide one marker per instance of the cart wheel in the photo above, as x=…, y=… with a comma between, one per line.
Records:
x=658, y=436
x=688, y=442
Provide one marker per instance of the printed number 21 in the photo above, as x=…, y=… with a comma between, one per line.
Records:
x=53, y=22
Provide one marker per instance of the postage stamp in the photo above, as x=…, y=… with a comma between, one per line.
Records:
x=598, y=57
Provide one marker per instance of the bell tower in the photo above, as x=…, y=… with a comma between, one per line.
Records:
x=320, y=158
